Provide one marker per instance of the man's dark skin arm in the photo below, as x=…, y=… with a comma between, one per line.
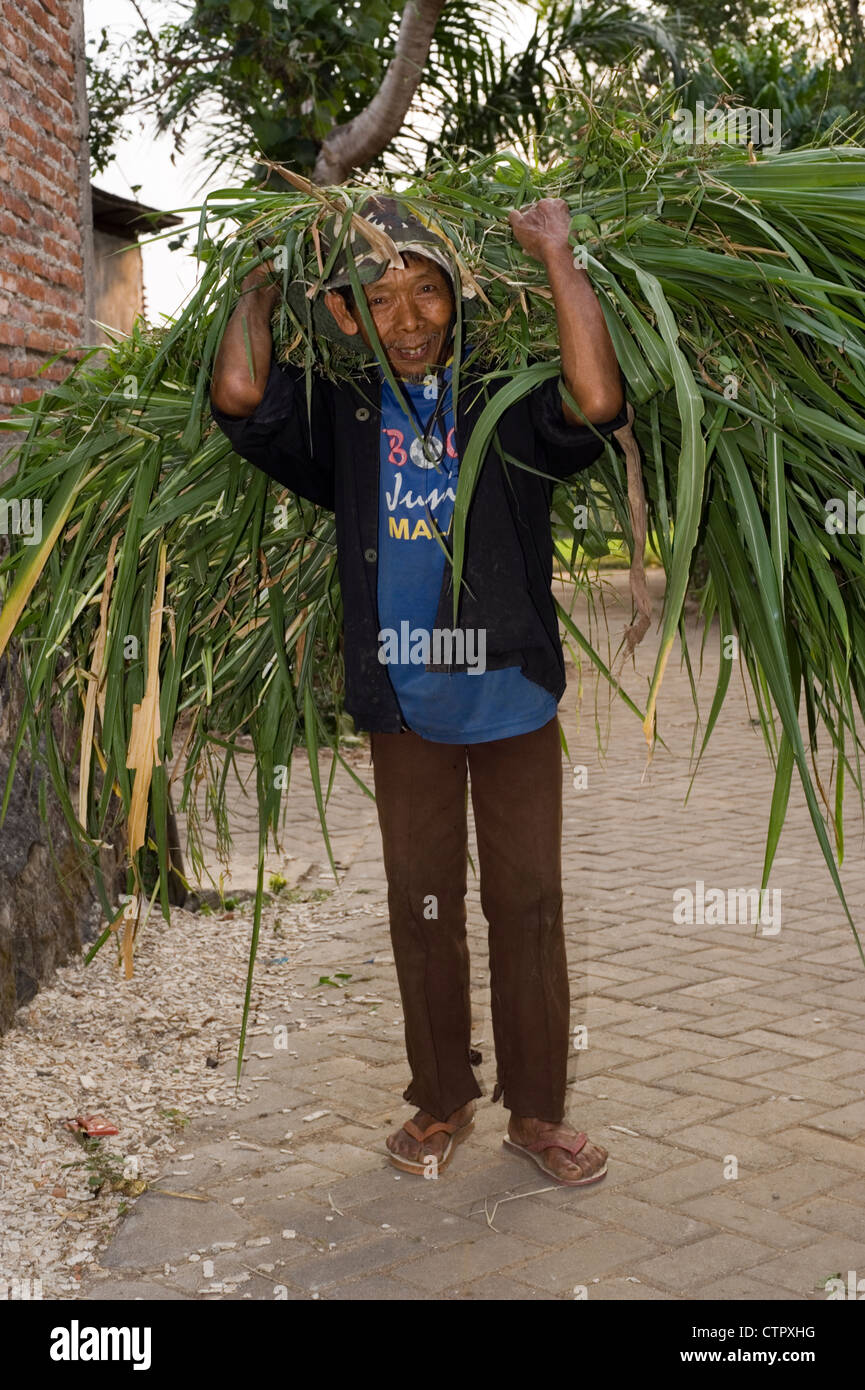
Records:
x=233, y=390
x=589, y=365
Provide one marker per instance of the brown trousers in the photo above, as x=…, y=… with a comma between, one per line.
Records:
x=516, y=790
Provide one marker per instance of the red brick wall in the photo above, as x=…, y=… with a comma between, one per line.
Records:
x=44, y=194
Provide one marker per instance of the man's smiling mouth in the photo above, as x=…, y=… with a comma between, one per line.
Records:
x=412, y=353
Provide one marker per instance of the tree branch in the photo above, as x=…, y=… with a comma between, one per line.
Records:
x=356, y=143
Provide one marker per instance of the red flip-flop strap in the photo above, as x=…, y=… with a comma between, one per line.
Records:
x=440, y=1127
x=558, y=1139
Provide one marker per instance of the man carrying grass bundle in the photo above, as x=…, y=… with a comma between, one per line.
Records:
x=390, y=476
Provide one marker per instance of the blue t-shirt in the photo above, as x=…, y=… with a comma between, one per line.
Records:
x=416, y=496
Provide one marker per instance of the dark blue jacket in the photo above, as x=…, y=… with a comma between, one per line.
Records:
x=330, y=455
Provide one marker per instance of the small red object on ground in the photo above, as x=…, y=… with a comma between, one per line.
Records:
x=94, y=1126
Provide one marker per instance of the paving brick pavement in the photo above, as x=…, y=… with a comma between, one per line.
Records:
x=723, y=1065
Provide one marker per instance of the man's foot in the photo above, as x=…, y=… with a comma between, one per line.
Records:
x=402, y=1145
x=567, y=1167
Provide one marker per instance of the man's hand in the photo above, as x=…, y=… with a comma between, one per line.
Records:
x=262, y=279
x=238, y=383
x=542, y=228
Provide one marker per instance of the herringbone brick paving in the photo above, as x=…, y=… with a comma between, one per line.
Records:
x=723, y=1067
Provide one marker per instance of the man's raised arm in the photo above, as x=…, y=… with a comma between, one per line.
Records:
x=234, y=389
x=255, y=400
x=589, y=365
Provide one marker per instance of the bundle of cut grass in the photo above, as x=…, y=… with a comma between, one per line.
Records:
x=174, y=582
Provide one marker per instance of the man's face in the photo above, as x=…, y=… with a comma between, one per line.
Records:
x=411, y=310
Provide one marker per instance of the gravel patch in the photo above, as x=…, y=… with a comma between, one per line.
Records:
x=149, y=1054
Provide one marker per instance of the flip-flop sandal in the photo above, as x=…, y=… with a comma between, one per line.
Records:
x=558, y=1139
x=439, y=1127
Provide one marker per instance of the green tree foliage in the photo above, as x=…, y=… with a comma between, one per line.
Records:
x=766, y=57
x=518, y=96
x=768, y=77
x=239, y=78
x=844, y=20
x=717, y=21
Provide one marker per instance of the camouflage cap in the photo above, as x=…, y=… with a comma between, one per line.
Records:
x=404, y=228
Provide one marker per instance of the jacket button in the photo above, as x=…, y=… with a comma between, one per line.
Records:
x=369, y=555
x=361, y=413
